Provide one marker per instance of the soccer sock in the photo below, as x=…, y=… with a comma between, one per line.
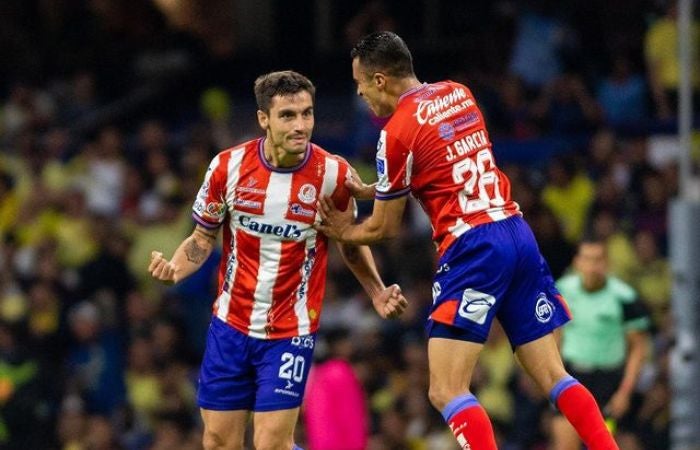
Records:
x=581, y=410
x=469, y=423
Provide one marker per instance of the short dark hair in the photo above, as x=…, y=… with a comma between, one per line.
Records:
x=286, y=82
x=386, y=52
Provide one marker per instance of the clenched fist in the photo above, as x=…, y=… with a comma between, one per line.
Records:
x=160, y=268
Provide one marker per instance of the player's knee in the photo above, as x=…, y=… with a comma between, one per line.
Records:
x=213, y=440
x=440, y=395
x=271, y=441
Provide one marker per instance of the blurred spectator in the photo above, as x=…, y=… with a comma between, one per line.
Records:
x=651, y=275
x=566, y=107
x=104, y=172
x=95, y=361
x=622, y=95
x=9, y=204
x=23, y=395
x=539, y=40
x=605, y=225
x=569, y=195
x=512, y=114
x=663, y=64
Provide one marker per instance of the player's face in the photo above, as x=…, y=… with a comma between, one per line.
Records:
x=370, y=86
x=592, y=263
x=289, y=123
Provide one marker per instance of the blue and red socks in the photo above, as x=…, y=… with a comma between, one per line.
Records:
x=577, y=404
x=469, y=423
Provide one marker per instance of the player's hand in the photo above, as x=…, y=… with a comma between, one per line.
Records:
x=618, y=405
x=390, y=303
x=358, y=188
x=333, y=221
x=160, y=268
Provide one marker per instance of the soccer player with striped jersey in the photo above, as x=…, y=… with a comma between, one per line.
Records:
x=263, y=194
x=436, y=146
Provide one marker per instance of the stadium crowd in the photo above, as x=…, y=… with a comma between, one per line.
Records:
x=104, y=136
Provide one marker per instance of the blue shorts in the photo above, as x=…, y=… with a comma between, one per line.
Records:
x=495, y=270
x=243, y=373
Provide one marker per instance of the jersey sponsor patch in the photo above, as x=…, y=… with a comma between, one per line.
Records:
x=544, y=309
x=446, y=131
x=475, y=305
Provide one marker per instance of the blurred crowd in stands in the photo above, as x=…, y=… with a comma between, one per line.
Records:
x=99, y=164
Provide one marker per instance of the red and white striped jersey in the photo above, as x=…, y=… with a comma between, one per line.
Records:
x=273, y=266
x=436, y=146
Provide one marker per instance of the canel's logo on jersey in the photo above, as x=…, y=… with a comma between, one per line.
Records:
x=544, y=309
x=307, y=193
x=288, y=231
x=475, y=305
x=438, y=108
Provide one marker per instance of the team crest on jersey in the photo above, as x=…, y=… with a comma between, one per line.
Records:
x=307, y=193
x=216, y=209
x=544, y=309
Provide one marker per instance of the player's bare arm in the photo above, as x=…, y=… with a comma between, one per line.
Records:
x=383, y=224
x=389, y=302
x=187, y=259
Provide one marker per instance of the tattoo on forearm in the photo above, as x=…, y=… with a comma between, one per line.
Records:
x=194, y=252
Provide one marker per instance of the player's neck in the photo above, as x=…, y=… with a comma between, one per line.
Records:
x=278, y=157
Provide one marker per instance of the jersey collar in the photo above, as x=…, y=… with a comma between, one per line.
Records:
x=412, y=91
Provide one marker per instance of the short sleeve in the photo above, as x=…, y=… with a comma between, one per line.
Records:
x=209, y=209
x=394, y=163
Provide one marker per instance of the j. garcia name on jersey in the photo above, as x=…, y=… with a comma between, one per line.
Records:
x=439, y=108
x=287, y=231
x=470, y=143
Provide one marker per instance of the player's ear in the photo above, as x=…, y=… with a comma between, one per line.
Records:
x=379, y=80
x=263, y=120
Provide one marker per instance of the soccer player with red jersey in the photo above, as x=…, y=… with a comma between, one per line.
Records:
x=436, y=147
x=263, y=193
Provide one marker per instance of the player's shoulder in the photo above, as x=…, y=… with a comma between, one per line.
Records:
x=324, y=154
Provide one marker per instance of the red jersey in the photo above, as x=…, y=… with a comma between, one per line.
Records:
x=436, y=146
x=273, y=267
